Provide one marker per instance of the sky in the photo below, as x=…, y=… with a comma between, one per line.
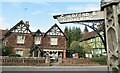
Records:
x=40, y=14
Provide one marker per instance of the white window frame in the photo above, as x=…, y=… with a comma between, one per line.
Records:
x=53, y=41
x=91, y=40
x=38, y=42
x=20, y=52
x=18, y=40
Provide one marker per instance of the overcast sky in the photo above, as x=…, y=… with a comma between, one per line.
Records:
x=40, y=14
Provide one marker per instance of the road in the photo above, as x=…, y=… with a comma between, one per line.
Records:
x=54, y=68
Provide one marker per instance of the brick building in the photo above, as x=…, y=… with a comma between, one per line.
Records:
x=26, y=43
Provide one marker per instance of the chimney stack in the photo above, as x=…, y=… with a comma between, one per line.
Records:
x=27, y=23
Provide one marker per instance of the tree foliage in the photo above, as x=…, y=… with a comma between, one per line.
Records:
x=86, y=47
x=74, y=45
x=75, y=48
x=66, y=31
x=73, y=34
x=85, y=30
x=6, y=50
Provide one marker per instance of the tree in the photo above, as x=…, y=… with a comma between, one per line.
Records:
x=73, y=34
x=85, y=30
x=78, y=34
x=66, y=31
x=74, y=45
x=75, y=48
x=86, y=47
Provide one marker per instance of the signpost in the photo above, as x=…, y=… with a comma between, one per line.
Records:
x=111, y=10
x=91, y=17
x=80, y=17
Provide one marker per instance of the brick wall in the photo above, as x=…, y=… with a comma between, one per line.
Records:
x=18, y=61
x=81, y=62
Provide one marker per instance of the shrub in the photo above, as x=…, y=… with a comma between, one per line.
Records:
x=30, y=55
x=101, y=59
x=6, y=50
x=14, y=55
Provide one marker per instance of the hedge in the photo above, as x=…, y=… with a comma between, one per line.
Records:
x=101, y=59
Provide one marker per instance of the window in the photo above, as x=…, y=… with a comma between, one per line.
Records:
x=20, y=39
x=53, y=41
x=4, y=42
x=91, y=40
x=38, y=40
x=20, y=52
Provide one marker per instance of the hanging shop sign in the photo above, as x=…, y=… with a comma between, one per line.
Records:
x=80, y=17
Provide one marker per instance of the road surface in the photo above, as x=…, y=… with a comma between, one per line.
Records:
x=54, y=68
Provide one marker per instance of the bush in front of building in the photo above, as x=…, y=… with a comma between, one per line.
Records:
x=76, y=48
x=14, y=55
x=30, y=55
x=6, y=50
x=101, y=59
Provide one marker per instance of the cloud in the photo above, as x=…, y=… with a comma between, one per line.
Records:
x=36, y=12
x=55, y=11
x=92, y=7
x=74, y=8
x=80, y=8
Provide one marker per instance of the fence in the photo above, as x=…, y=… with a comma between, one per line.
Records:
x=20, y=61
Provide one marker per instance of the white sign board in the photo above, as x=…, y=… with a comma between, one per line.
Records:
x=80, y=17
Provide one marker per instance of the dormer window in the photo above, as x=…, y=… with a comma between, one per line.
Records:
x=38, y=40
x=20, y=39
x=53, y=41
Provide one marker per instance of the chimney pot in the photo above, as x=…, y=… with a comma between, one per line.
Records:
x=27, y=23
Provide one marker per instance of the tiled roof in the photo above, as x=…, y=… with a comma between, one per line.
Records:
x=88, y=36
x=91, y=34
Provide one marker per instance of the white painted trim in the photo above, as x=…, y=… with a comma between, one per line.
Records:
x=52, y=50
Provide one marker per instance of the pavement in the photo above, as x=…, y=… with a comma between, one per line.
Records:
x=54, y=68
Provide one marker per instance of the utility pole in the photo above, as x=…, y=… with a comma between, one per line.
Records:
x=111, y=10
